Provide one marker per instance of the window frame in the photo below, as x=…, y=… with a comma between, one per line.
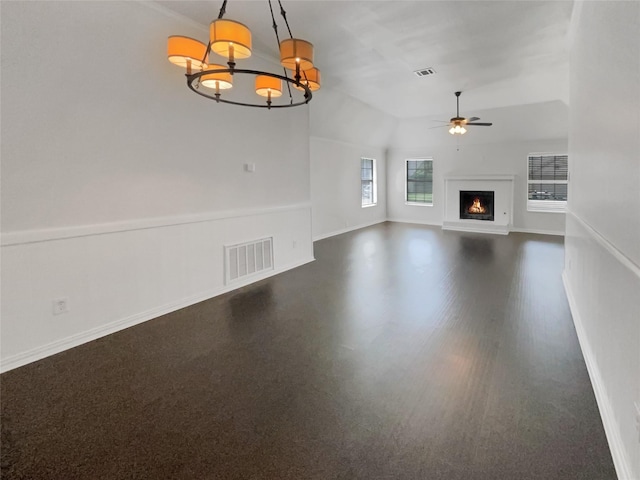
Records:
x=374, y=183
x=546, y=206
x=406, y=182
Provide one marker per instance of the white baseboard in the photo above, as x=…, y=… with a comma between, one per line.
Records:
x=537, y=231
x=620, y=460
x=414, y=222
x=501, y=231
x=61, y=345
x=458, y=227
x=479, y=228
x=348, y=229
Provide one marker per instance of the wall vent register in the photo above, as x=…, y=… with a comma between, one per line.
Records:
x=247, y=259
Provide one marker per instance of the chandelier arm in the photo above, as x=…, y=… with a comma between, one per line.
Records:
x=207, y=52
x=223, y=9
x=288, y=85
x=194, y=78
x=284, y=15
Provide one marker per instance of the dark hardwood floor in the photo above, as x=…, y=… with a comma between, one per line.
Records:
x=403, y=352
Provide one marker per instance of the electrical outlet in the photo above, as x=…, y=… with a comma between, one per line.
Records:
x=60, y=305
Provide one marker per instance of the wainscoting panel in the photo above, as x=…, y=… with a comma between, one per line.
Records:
x=112, y=278
x=603, y=288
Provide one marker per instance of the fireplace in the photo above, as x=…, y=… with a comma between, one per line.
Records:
x=495, y=195
x=476, y=205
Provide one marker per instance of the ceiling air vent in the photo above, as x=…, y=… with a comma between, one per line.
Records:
x=423, y=72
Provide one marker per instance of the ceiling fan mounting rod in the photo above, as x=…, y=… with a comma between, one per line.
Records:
x=458, y=104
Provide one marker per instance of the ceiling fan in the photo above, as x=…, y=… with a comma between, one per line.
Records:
x=459, y=123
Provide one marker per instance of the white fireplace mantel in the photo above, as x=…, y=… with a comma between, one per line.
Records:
x=509, y=178
x=501, y=185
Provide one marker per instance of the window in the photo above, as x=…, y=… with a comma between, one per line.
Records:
x=547, y=180
x=419, y=188
x=368, y=181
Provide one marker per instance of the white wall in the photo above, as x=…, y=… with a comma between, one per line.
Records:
x=119, y=185
x=335, y=187
x=508, y=158
x=342, y=131
x=602, y=245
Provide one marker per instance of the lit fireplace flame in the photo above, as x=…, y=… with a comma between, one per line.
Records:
x=476, y=207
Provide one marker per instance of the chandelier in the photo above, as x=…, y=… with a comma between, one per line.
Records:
x=232, y=40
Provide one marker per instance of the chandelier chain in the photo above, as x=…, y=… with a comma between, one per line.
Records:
x=275, y=29
x=223, y=9
x=284, y=15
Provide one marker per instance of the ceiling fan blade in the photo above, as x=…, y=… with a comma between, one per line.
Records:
x=480, y=124
x=438, y=126
x=473, y=119
x=441, y=121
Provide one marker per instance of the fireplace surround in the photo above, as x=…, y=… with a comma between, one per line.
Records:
x=502, y=187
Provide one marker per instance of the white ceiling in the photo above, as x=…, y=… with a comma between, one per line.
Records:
x=499, y=53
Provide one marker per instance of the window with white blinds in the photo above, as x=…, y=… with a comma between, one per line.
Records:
x=547, y=182
x=368, y=181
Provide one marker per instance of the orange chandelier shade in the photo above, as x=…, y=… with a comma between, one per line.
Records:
x=294, y=51
x=310, y=78
x=267, y=86
x=217, y=80
x=230, y=39
x=185, y=52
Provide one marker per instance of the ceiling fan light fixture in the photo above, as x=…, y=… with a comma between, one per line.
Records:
x=458, y=123
x=457, y=129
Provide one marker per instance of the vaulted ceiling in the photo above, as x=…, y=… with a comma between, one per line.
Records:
x=499, y=53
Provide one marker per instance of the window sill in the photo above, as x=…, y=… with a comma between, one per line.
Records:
x=418, y=204
x=546, y=206
x=370, y=205
x=540, y=210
